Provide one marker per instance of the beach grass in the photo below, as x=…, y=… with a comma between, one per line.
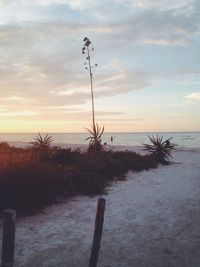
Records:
x=32, y=179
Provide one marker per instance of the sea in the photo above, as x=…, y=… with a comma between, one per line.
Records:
x=182, y=139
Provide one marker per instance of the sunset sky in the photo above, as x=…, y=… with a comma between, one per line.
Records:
x=148, y=56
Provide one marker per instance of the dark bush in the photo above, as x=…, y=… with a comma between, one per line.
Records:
x=64, y=156
x=29, y=181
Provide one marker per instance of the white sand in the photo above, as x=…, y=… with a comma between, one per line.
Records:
x=151, y=220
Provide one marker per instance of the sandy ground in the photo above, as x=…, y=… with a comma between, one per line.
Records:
x=151, y=220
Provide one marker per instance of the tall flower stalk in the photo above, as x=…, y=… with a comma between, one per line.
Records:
x=96, y=131
x=86, y=50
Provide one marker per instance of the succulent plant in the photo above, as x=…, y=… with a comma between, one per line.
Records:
x=160, y=148
x=95, y=139
x=42, y=143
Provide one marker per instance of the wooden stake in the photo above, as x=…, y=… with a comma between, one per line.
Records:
x=8, y=241
x=97, y=232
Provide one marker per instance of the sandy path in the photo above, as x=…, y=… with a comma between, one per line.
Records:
x=151, y=220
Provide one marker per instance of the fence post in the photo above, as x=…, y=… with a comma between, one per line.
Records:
x=97, y=232
x=8, y=240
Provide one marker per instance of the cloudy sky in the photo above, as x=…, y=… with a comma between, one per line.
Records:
x=148, y=56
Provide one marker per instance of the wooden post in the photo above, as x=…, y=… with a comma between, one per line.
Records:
x=8, y=241
x=97, y=232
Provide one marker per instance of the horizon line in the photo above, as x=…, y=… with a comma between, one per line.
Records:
x=117, y=132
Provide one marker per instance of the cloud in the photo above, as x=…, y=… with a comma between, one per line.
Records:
x=24, y=113
x=161, y=4
x=62, y=115
x=44, y=67
x=13, y=98
x=194, y=96
x=159, y=27
x=166, y=42
x=41, y=64
x=121, y=82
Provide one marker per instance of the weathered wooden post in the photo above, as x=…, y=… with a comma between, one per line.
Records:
x=97, y=232
x=8, y=241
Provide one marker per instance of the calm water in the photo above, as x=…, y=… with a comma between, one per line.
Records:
x=183, y=139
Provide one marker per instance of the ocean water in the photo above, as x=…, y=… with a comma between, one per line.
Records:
x=182, y=139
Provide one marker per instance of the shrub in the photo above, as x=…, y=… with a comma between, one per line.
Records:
x=160, y=149
x=95, y=138
x=64, y=156
x=42, y=143
x=4, y=146
x=29, y=182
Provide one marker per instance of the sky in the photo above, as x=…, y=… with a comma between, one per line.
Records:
x=148, y=73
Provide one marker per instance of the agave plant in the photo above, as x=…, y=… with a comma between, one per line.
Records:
x=42, y=143
x=96, y=131
x=160, y=149
x=95, y=139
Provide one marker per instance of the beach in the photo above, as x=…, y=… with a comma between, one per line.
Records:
x=151, y=220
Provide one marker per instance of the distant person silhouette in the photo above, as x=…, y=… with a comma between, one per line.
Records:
x=111, y=138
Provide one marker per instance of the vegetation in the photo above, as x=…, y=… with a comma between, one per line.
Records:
x=41, y=143
x=29, y=182
x=95, y=138
x=160, y=149
x=96, y=131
